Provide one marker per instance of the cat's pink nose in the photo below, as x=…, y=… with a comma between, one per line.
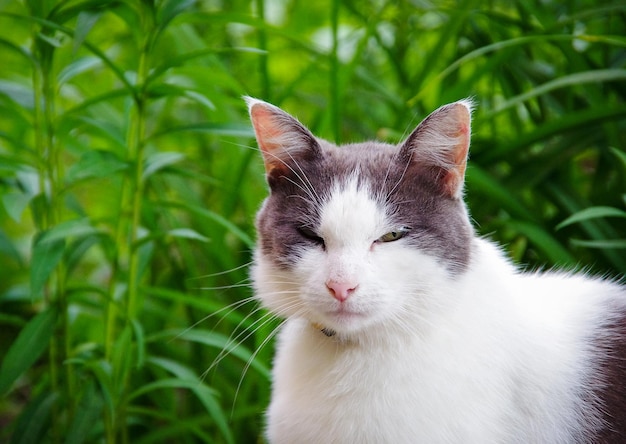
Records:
x=341, y=290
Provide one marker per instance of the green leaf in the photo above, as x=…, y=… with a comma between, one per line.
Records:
x=121, y=359
x=607, y=243
x=543, y=241
x=33, y=423
x=186, y=378
x=200, y=98
x=77, y=67
x=86, y=417
x=621, y=156
x=74, y=228
x=95, y=163
x=226, y=344
x=221, y=129
x=20, y=94
x=140, y=342
x=46, y=256
x=84, y=23
x=479, y=180
x=31, y=342
x=8, y=248
x=218, y=218
x=187, y=233
x=591, y=213
x=103, y=372
x=15, y=203
x=158, y=161
x=169, y=9
x=205, y=304
x=579, y=78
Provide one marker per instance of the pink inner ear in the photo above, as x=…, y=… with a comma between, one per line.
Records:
x=264, y=127
x=454, y=177
x=269, y=135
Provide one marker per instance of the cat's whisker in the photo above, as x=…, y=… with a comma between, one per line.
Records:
x=230, y=307
x=265, y=341
x=304, y=178
x=222, y=273
x=234, y=341
x=225, y=287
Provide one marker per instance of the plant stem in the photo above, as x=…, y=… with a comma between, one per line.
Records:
x=136, y=146
x=263, y=60
x=334, y=74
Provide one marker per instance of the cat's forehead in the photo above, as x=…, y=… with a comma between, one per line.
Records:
x=366, y=155
x=351, y=212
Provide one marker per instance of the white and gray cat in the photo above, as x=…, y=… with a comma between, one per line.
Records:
x=403, y=326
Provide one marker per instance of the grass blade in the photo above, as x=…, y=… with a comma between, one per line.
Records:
x=31, y=342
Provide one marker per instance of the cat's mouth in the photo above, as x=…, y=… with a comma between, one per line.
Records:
x=343, y=318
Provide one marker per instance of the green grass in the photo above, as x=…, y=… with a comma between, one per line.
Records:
x=129, y=180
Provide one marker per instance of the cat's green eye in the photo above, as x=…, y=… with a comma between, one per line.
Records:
x=393, y=235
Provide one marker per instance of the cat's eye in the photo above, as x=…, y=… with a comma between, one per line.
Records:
x=393, y=235
x=311, y=235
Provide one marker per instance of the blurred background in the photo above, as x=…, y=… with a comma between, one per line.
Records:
x=129, y=179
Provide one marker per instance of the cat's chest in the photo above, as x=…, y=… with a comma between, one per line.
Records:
x=403, y=390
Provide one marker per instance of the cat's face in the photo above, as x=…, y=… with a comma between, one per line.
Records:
x=355, y=236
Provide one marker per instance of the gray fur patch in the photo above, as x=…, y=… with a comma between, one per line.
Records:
x=408, y=190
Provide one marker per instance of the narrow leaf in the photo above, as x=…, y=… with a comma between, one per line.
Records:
x=77, y=67
x=159, y=161
x=621, y=156
x=140, y=342
x=27, y=348
x=86, y=416
x=8, y=248
x=226, y=344
x=20, y=94
x=608, y=243
x=187, y=233
x=543, y=241
x=188, y=379
x=32, y=424
x=591, y=213
x=84, y=23
x=222, y=129
x=219, y=219
x=46, y=256
x=15, y=203
x=95, y=163
x=579, y=78
x=72, y=228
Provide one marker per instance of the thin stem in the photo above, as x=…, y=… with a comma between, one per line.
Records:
x=263, y=59
x=334, y=74
x=47, y=169
x=136, y=144
x=55, y=177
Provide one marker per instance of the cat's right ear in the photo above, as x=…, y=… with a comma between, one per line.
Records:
x=441, y=143
x=281, y=138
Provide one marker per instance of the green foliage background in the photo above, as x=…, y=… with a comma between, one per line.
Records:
x=129, y=181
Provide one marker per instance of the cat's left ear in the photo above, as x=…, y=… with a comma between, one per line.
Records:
x=281, y=138
x=441, y=142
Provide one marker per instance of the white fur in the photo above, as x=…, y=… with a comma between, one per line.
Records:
x=491, y=356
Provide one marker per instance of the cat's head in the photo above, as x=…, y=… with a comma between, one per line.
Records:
x=359, y=235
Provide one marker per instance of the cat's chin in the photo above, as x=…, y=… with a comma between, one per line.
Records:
x=345, y=320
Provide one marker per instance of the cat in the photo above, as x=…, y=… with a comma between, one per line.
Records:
x=404, y=326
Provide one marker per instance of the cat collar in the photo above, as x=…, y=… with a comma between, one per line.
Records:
x=327, y=331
